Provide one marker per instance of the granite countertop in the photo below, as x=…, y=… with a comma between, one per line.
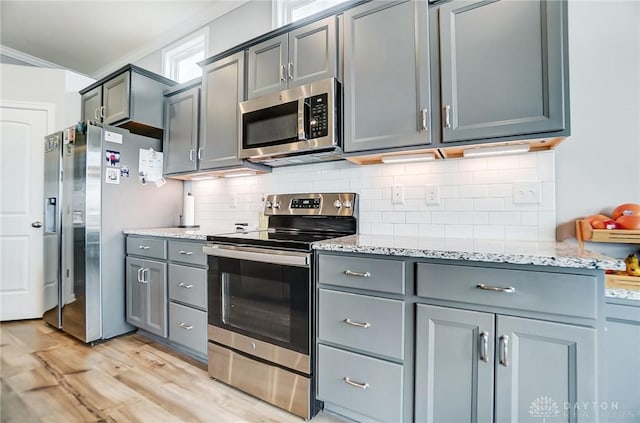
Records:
x=544, y=253
x=179, y=233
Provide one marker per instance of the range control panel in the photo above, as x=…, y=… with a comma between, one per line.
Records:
x=305, y=203
x=311, y=204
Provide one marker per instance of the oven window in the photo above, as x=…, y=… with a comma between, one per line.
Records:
x=265, y=301
x=270, y=126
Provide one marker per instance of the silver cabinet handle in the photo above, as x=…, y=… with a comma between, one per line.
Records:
x=145, y=279
x=139, y=274
x=447, y=117
x=360, y=385
x=423, y=120
x=191, y=153
x=185, y=326
x=484, y=346
x=200, y=153
x=143, y=247
x=507, y=290
x=95, y=114
x=186, y=253
x=185, y=285
x=290, y=70
x=363, y=325
x=283, y=69
x=36, y=224
x=102, y=112
x=504, y=350
x=359, y=274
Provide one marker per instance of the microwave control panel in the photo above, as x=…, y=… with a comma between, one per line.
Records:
x=318, y=116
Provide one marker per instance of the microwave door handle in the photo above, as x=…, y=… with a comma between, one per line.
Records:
x=301, y=119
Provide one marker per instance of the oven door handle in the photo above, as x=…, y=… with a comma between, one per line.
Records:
x=264, y=255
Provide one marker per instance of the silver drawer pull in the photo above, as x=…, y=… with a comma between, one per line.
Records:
x=185, y=285
x=185, y=326
x=358, y=324
x=507, y=290
x=360, y=274
x=348, y=381
x=144, y=247
x=186, y=253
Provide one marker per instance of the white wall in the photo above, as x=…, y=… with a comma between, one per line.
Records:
x=55, y=86
x=598, y=167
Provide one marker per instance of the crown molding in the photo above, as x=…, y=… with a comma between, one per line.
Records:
x=217, y=10
x=29, y=59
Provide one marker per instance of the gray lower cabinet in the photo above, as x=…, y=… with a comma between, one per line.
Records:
x=146, y=295
x=621, y=364
x=502, y=69
x=303, y=55
x=539, y=367
x=188, y=296
x=386, y=76
x=181, y=126
x=362, y=355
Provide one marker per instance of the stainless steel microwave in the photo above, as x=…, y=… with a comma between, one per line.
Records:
x=296, y=123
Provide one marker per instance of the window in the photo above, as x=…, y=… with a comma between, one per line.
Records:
x=287, y=11
x=180, y=60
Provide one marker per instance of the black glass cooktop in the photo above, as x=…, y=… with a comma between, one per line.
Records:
x=277, y=238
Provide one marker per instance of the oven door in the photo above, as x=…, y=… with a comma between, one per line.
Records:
x=261, y=293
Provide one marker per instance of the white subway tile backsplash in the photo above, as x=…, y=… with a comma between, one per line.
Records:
x=475, y=196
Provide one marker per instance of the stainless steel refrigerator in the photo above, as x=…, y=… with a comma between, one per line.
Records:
x=92, y=193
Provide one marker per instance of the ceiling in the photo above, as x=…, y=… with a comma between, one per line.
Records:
x=96, y=37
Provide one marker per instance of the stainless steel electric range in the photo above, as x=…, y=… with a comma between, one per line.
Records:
x=261, y=298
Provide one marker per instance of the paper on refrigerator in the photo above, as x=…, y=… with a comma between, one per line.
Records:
x=150, y=165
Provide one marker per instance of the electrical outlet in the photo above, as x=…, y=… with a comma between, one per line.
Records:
x=397, y=194
x=526, y=193
x=432, y=195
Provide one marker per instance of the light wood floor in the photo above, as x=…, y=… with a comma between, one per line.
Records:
x=48, y=376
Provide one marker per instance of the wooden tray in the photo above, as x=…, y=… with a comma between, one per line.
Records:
x=623, y=282
x=584, y=232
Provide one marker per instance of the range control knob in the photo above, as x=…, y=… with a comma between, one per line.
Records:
x=268, y=205
x=337, y=204
x=276, y=205
x=347, y=204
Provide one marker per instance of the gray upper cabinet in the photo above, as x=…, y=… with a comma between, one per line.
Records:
x=454, y=365
x=502, y=68
x=132, y=98
x=301, y=56
x=222, y=90
x=386, y=76
x=181, y=117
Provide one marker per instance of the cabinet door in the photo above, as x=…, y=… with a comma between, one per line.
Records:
x=223, y=89
x=543, y=368
x=181, y=116
x=454, y=365
x=155, y=281
x=621, y=370
x=386, y=75
x=267, y=67
x=312, y=52
x=502, y=68
x=91, y=103
x=135, y=292
x=115, y=96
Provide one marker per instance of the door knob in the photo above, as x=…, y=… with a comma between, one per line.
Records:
x=36, y=224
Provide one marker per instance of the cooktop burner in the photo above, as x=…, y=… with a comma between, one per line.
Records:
x=297, y=220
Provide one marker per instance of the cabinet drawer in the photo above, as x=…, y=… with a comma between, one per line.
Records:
x=187, y=252
x=147, y=247
x=381, y=399
x=359, y=321
x=364, y=273
x=188, y=327
x=544, y=292
x=188, y=285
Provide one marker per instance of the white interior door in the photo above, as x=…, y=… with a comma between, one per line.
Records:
x=23, y=127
